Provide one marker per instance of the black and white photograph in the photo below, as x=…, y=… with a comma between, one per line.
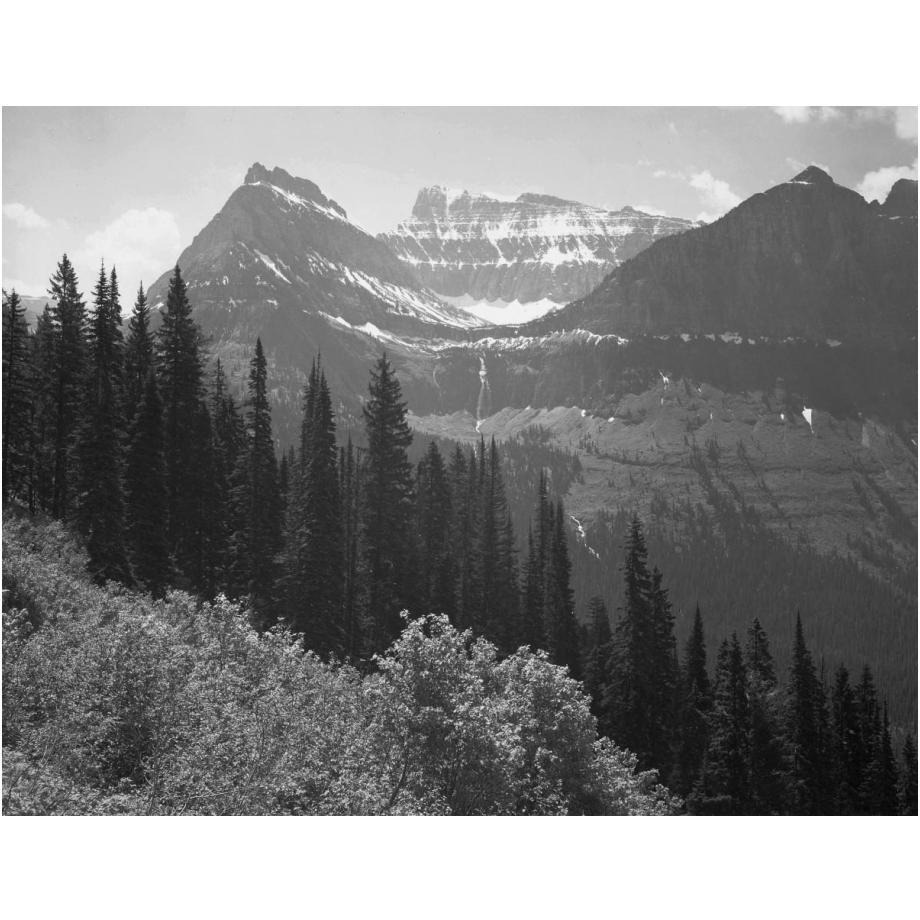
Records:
x=520, y=460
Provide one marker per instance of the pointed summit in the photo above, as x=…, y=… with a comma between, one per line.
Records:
x=281, y=179
x=814, y=175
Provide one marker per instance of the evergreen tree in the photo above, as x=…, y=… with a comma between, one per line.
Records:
x=804, y=698
x=880, y=783
x=315, y=534
x=846, y=765
x=665, y=682
x=597, y=653
x=350, y=489
x=69, y=366
x=179, y=369
x=145, y=481
x=726, y=777
x=561, y=625
x=870, y=726
x=228, y=437
x=531, y=632
x=139, y=350
x=387, y=538
x=17, y=399
x=100, y=449
x=696, y=704
x=207, y=560
x=765, y=769
x=639, y=700
x=257, y=495
x=536, y=608
x=435, y=514
x=43, y=414
x=907, y=793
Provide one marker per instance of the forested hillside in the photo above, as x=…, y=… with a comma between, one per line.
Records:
x=193, y=625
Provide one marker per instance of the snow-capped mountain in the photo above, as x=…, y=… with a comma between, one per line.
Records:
x=280, y=243
x=512, y=261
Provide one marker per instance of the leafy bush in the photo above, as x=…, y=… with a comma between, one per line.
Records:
x=114, y=703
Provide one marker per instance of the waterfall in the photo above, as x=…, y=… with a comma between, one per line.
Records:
x=484, y=403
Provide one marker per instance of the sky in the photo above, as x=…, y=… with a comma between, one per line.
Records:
x=133, y=186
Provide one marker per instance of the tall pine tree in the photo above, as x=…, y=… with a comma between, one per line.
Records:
x=179, y=368
x=69, y=368
x=17, y=399
x=139, y=351
x=100, y=440
x=387, y=537
x=147, y=498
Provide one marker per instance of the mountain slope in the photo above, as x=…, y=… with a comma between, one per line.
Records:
x=281, y=261
x=808, y=259
x=507, y=261
x=279, y=241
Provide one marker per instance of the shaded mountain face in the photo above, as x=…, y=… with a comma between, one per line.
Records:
x=281, y=261
x=510, y=260
x=807, y=259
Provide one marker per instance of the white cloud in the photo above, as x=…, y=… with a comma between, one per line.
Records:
x=24, y=288
x=793, y=113
x=905, y=122
x=141, y=244
x=876, y=185
x=668, y=174
x=650, y=209
x=24, y=216
x=716, y=195
x=800, y=114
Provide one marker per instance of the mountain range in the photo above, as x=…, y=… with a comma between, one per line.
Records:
x=510, y=261
x=761, y=369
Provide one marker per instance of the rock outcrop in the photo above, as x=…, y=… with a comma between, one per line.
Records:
x=537, y=248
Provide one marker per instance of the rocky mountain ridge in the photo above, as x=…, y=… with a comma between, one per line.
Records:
x=806, y=259
x=497, y=258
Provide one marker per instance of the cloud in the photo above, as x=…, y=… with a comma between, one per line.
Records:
x=669, y=174
x=716, y=195
x=650, y=209
x=800, y=114
x=24, y=217
x=24, y=288
x=793, y=114
x=876, y=185
x=141, y=244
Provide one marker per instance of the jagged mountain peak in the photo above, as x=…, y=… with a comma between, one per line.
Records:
x=813, y=175
x=281, y=179
x=508, y=260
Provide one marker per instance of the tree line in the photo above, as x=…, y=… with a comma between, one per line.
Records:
x=173, y=483
x=742, y=741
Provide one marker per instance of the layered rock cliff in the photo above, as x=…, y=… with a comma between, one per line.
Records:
x=538, y=249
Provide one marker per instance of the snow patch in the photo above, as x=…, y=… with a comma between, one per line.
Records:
x=503, y=312
x=271, y=265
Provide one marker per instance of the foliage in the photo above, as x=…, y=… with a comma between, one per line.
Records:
x=115, y=703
